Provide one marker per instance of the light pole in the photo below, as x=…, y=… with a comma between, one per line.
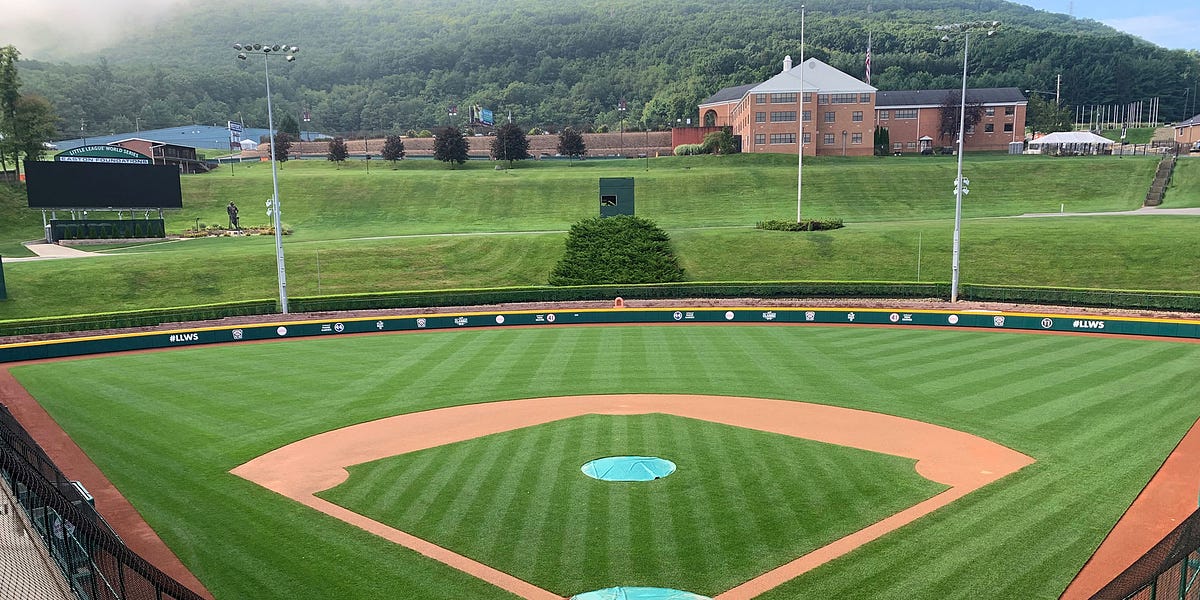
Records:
x=621, y=109
x=960, y=184
x=800, y=129
x=273, y=203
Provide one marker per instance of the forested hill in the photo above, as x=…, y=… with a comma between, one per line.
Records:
x=394, y=65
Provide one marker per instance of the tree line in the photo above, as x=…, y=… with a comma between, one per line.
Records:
x=379, y=67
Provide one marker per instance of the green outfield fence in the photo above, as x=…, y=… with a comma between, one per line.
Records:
x=1170, y=570
x=94, y=560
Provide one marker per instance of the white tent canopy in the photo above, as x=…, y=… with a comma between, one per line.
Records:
x=249, y=145
x=1075, y=142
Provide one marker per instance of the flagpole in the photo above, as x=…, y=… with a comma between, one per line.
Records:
x=800, y=140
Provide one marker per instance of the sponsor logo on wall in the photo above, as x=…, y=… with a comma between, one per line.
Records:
x=177, y=338
x=1088, y=324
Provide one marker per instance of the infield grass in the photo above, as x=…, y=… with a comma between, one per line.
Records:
x=1099, y=415
x=740, y=503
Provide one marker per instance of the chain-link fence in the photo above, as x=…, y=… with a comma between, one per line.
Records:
x=95, y=562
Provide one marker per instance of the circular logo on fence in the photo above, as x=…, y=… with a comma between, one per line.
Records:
x=678, y=316
x=894, y=317
x=729, y=315
x=499, y=319
x=237, y=334
x=338, y=327
x=1047, y=323
x=550, y=318
x=953, y=319
x=281, y=331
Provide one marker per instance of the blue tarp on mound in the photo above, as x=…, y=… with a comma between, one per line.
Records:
x=628, y=468
x=638, y=593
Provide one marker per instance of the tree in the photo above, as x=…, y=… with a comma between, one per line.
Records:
x=337, y=151
x=570, y=143
x=450, y=146
x=290, y=126
x=34, y=124
x=1044, y=116
x=719, y=142
x=283, y=146
x=949, y=111
x=10, y=92
x=393, y=149
x=510, y=143
x=883, y=141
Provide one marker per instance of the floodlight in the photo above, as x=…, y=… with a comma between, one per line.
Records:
x=237, y=46
x=242, y=55
x=275, y=47
x=258, y=46
x=295, y=49
x=291, y=58
x=945, y=38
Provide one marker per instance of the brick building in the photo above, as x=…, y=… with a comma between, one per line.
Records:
x=913, y=118
x=840, y=114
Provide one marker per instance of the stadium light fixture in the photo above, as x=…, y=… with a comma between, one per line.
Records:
x=273, y=203
x=960, y=184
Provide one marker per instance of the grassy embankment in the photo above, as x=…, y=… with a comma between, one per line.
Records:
x=357, y=231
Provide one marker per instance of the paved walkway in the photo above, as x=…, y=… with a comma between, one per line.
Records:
x=26, y=571
x=1145, y=210
x=49, y=251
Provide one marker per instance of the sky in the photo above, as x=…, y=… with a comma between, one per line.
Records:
x=54, y=29
x=1172, y=24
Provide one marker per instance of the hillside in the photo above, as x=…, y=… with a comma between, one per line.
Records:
x=380, y=66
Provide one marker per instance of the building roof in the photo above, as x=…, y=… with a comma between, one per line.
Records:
x=915, y=98
x=1192, y=122
x=729, y=94
x=812, y=75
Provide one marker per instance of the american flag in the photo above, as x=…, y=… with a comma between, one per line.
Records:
x=868, y=59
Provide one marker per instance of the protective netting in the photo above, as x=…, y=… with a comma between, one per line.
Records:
x=1168, y=571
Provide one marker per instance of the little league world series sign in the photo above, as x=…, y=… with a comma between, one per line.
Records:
x=103, y=154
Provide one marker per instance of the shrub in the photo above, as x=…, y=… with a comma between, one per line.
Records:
x=622, y=249
x=803, y=225
x=689, y=149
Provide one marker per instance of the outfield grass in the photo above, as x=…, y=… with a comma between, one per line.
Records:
x=1098, y=415
x=740, y=503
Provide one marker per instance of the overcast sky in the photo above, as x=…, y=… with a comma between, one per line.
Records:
x=41, y=28
x=1168, y=23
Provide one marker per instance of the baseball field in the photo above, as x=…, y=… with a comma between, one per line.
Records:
x=1096, y=415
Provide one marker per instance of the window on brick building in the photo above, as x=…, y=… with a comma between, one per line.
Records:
x=808, y=96
x=883, y=114
x=1008, y=128
x=783, y=98
x=989, y=111
x=989, y=128
x=1009, y=110
x=760, y=138
x=843, y=98
x=856, y=138
x=807, y=138
x=830, y=117
x=828, y=138
x=783, y=116
x=864, y=98
x=906, y=113
x=822, y=98
x=760, y=98
x=760, y=117
x=857, y=116
x=807, y=116
x=783, y=138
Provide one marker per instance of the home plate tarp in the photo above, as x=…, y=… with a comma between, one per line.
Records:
x=638, y=593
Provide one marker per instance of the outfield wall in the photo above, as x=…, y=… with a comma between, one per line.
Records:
x=975, y=319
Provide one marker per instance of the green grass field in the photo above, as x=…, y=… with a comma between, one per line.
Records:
x=741, y=502
x=1098, y=414
x=386, y=230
